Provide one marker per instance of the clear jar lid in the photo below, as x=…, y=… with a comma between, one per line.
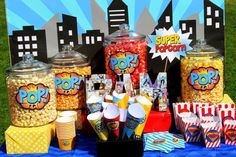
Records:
x=68, y=57
x=28, y=65
x=201, y=49
x=124, y=33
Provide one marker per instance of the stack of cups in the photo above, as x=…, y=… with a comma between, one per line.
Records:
x=72, y=114
x=65, y=128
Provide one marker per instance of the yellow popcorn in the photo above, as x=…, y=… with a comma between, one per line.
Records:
x=202, y=75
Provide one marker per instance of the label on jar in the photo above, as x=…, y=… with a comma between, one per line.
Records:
x=124, y=62
x=204, y=78
x=68, y=83
x=33, y=96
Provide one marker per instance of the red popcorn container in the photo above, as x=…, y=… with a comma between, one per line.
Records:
x=196, y=105
x=180, y=117
x=191, y=127
x=211, y=134
x=125, y=53
x=180, y=108
x=225, y=106
x=230, y=132
x=226, y=114
x=206, y=111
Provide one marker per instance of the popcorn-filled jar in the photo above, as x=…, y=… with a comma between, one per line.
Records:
x=125, y=52
x=31, y=92
x=70, y=68
x=202, y=72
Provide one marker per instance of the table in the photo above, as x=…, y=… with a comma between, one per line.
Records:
x=86, y=147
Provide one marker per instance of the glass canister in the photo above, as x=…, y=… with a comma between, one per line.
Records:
x=70, y=67
x=125, y=53
x=31, y=93
x=202, y=72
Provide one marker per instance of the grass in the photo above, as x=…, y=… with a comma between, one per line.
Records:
x=230, y=77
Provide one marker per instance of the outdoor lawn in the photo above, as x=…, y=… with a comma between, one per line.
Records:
x=230, y=65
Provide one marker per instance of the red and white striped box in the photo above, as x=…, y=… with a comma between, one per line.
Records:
x=211, y=134
x=230, y=132
x=198, y=104
x=225, y=106
x=180, y=108
x=208, y=119
x=183, y=115
x=206, y=111
x=192, y=131
x=226, y=114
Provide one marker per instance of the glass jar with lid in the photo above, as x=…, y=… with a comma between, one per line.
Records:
x=70, y=68
x=31, y=91
x=125, y=53
x=202, y=73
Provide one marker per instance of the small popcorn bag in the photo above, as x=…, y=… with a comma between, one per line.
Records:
x=206, y=111
x=180, y=116
x=226, y=114
x=225, y=106
x=198, y=104
x=230, y=132
x=192, y=129
x=211, y=134
x=180, y=108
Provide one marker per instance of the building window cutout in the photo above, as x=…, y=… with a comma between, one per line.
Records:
x=217, y=25
x=20, y=46
x=217, y=13
x=183, y=26
x=20, y=54
x=92, y=40
x=167, y=18
x=208, y=10
x=60, y=28
x=26, y=38
x=87, y=40
x=34, y=38
x=34, y=46
x=35, y=53
x=19, y=38
x=72, y=43
x=27, y=52
x=191, y=30
x=27, y=46
x=99, y=38
x=61, y=41
x=70, y=33
x=209, y=22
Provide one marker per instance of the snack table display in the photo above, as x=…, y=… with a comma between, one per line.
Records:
x=86, y=147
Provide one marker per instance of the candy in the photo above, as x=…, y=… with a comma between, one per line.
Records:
x=202, y=79
x=126, y=57
x=70, y=87
x=32, y=99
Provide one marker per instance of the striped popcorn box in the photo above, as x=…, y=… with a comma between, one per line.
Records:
x=192, y=129
x=208, y=119
x=198, y=104
x=226, y=114
x=183, y=115
x=206, y=111
x=225, y=106
x=180, y=108
x=211, y=134
x=230, y=132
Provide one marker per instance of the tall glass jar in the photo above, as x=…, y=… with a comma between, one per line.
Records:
x=70, y=67
x=31, y=93
x=125, y=53
x=202, y=72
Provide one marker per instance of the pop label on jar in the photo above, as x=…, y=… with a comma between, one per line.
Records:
x=33, y=96
x=68, y=83
x=204, y=78
x=124, y=62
